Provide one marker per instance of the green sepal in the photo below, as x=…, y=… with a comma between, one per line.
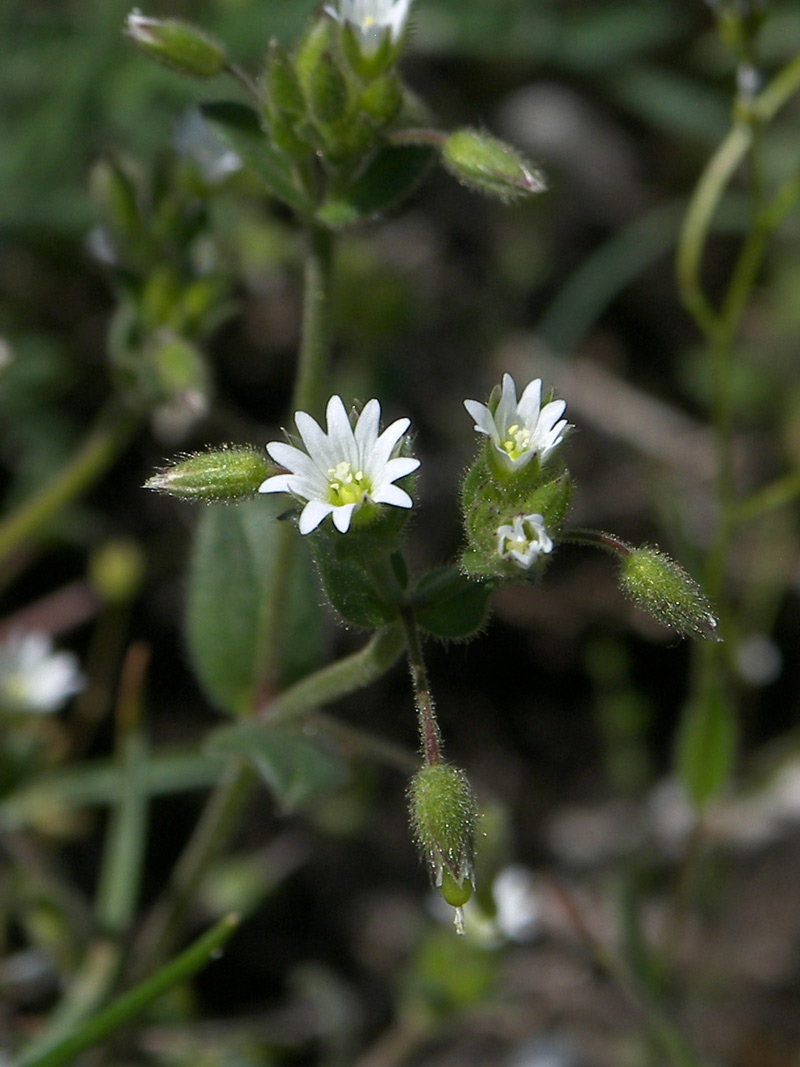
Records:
x=662, y=588
x=296, y=768
x=489, y=166
x=232, y=576
x=390, y=175
x=488, y=504
x=221, y=475
x=240, y=128
x=451, y=606
x=281, y=83
x=327, y=93
x=444, y=815
x=382, y=99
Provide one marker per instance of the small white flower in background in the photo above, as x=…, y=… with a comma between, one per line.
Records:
x=520, y=429
x=524, y=540
x=343, y=468
x=371, y=20
x=33, y=678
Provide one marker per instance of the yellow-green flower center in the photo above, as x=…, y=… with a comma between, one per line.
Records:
x=518, y=441
x=347, y=486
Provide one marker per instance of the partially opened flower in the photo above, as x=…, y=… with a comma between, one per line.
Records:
x=520, y=429
x=524, y=540
x=35, y=680
x=343, y=469
x=372, y=20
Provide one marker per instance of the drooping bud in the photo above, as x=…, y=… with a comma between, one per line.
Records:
x=225, y=475
x=443, y=820
x=487, y=165
x=662, y=588
x=179, y=45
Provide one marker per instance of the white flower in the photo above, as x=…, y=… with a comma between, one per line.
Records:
x=343, y=468
x=33, y=678
x=524, y=540
x=520, y=430
x=372, y=19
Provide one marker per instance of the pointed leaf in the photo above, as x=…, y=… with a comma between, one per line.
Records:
x=450, y=606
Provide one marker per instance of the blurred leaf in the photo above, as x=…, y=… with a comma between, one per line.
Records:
x=99, y=783
x=295, y=767
x=240, y=128
x=232, y=576
x=706, y=746
x=390, y=176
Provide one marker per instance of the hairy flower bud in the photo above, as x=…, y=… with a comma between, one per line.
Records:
x=224, y=475
x=662, y=587
x=179, y=45
x=443, y=819
x=489, y=166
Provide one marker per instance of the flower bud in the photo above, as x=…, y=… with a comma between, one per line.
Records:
x=443, y=819
x=225, y=475
x=489, y=166
x=179, y=45
x=663, y=588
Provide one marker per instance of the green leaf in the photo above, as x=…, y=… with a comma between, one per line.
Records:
x=390, y=176
x=706, y=746
x=351, y=590
x=231, y=583
x=240, y=128
x=448, y=605
x=295, y=767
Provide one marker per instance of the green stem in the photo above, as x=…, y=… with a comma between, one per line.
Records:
x=310, y=390
x=337, y=679
x=112, y=432
x=132, y=1004
x=430, y=734
x=311, y=383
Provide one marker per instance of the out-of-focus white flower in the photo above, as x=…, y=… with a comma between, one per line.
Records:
x=195, y=139
x=343, y=468
x=520, y=429
x=372, y=20
x=34, y=679
x=524, y=540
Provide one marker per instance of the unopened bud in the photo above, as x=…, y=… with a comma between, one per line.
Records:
x=225, y=475
x=179, y=45
x=489, y=166
x=443, y=818
x=662, y=587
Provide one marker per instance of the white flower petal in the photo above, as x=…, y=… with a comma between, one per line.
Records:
x=483, y=418
x=393, y=494
x=341, y=441
x=278, y=483
x=312, y=435
x=342, y=517
x=366, y=431
x=385, y=444
x=313, y=514
x=400, y=467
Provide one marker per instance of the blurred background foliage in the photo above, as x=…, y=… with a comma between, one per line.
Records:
x=565, y=711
